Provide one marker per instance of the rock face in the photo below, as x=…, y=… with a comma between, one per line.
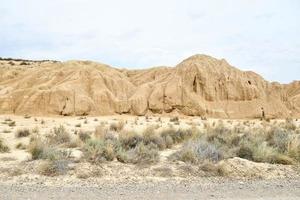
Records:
x=198, y=86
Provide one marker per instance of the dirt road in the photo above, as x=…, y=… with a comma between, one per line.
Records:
x=229, y=189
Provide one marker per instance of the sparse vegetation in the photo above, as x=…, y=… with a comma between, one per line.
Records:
x=27, y=116
x=97, y=151
x=6, y=131
x=198, y=151
x=141, y=154
x=21, y=146
x=22, y=133
x=11, y=123
x=275, y=142
x=84, y=136
x=117, y=126
x=53, y=167
x=36, y=148
x=174, y=119
x=78, y=125
x=59, y=136
x=270, y=144
x=3, y=147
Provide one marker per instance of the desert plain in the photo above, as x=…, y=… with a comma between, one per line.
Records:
x=201, y=129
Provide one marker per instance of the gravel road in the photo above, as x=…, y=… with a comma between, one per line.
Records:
x=229, y=189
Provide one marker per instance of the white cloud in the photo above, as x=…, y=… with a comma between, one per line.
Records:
x=251, y=34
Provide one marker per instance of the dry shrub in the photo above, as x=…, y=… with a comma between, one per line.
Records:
x=129, y=139
x=27, y=116
x=103, y=133
x=177, y=135
x=197, y=151
x=213, y=169
x=117, y=126
x=36, y=148
x=294, y=148
x=279, y=139
x=100, y=132
x=6, y=131
x=78, y=125
x=7, y=120
x=141, y=154
x=289, y=124
x=59, y=136
x=53, y=167
x=11, y=123
x=258, y=150
x=174, y=119
x=21, y=146
x=84, y=136
x=35, y=130
x=3, y=147
x=150, y=137
x=41, y=150
x=22, y=133
x=97, y=151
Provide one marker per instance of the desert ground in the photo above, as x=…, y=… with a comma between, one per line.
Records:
x=130, y=157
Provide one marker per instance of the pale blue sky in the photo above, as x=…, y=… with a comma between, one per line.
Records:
x=258, y=35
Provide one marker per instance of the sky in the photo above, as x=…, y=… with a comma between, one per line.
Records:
x=258, y=35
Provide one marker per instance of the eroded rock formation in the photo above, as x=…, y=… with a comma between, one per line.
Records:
x=198, y=86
